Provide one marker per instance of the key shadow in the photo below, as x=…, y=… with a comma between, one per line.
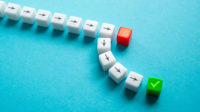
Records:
x=57, y=33
x=111, y=84
x=150, y=99
x=121, y=47
x=129, y=95
x=41, y=29
x=71, y=36
x=10, y=23
x=88, y=40
x=26, y=26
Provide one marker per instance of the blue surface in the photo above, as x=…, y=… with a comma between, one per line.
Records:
x=48, y=71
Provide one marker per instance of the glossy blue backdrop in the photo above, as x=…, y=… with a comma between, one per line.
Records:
x=47, y=71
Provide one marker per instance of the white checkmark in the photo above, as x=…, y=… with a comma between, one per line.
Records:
x=154, y=85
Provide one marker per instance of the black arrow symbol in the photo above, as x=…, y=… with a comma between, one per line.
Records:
x=104, y=42
x=11, y=7
x=91, y=25
x=118, y=70
x=27, y=11
x=133, y=78
x=107, y=28
x=58, y=18
x=107, y=58
x=73, y=21
x=42, y=14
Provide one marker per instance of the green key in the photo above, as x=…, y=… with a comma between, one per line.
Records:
x=154, y=86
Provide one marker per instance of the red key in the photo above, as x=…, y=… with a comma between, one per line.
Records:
x=124, y=36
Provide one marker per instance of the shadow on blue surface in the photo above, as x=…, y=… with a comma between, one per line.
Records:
x=41, y=30
x=88, y=40
x=57, y=33
x=151, y=99
x=10, y=23
x=129, y=95
x=25, y=26
x=121, y=47
x=71, y=36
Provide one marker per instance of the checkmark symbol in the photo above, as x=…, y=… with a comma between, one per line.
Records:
x=154, y=85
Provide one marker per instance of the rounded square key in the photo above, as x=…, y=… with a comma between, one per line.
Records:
x=90, y=28
x=104, y=45
x=107, y=60
x=74, y=25
x=59, y=21
x=124, y=36
x=2, y=8
x=133, y=81
x=12, y=11
x=117, y=72
x=107, y=30
x=154, y=86
x=28, y=15
x=43, y=18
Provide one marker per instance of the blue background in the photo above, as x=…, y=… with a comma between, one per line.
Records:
x=42, y=70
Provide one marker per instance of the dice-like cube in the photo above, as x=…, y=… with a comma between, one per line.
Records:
x=12, y=11
x=117, y=72
x=43, y=18
x=154, y=86
x=74, y=25
x=90, y=28
x=104, y=45
x=133, y=81
x=2, y=7
x=107, y=30
x=124, y=36
x=59, y=21
x=107, y=60
x=28, y=15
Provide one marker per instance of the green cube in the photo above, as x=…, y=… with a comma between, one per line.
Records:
x=154, y=86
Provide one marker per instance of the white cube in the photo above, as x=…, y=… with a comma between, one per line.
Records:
x=90, y=28
x=43, y=18
x=2, y=8
x=117, y=72
x=28, y=15
x=133, y=81
x=59, y=21
x=12, y=11
x=74, y=25
x=104, y=45
x=107, y=60
x=107, y=30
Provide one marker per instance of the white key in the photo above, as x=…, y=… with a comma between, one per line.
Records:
x=74, y=25
x=104, y=45
x=117, y=72
x=107, y=60
x=59, y=21
x=12, y=11
x=133, y=81
x=2, y=8
x=28, y=15
x=90, y=28
x=43, y=18
x=107, y=30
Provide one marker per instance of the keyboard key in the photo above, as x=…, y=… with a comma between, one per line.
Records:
x=104, y=45
x=117, y=72
x=28, y=15
x=2, y=8
x=106, y=60
x=43, y=18
x=154, y=86
x=59, y=21
x=124, y=36
x=107, y=30
x=133, y=81
x=12, y=11
x=74, y=25
x=90, y=28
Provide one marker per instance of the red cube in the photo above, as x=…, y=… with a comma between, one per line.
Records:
x=124, y=36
